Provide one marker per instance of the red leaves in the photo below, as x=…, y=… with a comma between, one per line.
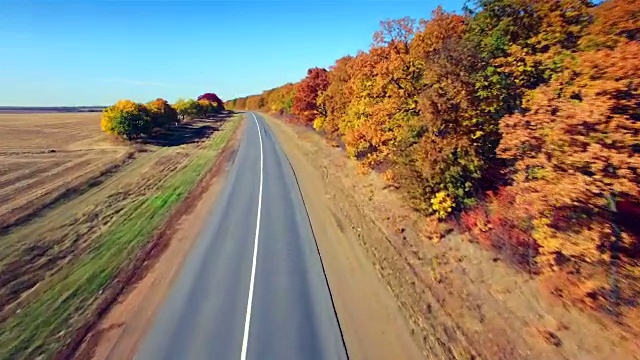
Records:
x=305, y=105
x=212, y=97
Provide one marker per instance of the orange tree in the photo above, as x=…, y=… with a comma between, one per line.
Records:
x=335, y=99
x=577, y=144
x=161, y=113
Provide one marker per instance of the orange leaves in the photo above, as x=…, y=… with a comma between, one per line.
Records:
x=574, y=147
x=435, y=32
x=614, y=20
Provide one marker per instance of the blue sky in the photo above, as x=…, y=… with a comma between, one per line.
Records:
x=95, y=52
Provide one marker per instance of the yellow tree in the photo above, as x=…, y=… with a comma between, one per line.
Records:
x=127, y=119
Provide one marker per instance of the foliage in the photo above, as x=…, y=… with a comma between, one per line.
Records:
x=187, y=109
x=305, y=105
x=161, y=113
x=241, y=104
x=205, y=108
x=614, y=21
x=574, y=147
x=212, y=98
x=335, y=99
x=127, y=119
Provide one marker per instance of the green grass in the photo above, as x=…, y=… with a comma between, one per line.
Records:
x=43, y=326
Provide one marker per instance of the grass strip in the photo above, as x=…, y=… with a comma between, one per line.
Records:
x=42, y=327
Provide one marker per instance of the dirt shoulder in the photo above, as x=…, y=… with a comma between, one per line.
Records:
x=459, y=300
x=118, y=334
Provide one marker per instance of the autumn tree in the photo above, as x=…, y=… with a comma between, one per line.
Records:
x=384, y=84
x=241, y=103
x=161, y=113
x=280, y=100
x=615, y=21
x=454, y=138
x=205, y=108
x=212, y=98
x=187, y=109
x=578, y=144
x=305, y=102
x=524, y=43
x=335, y=99
x=127, y=119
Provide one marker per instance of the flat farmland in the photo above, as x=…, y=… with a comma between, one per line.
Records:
x=44, y=157
x=78, y=210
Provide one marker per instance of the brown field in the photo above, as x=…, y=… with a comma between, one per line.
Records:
x=43, y=156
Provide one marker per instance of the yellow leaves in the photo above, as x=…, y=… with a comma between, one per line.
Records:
x=442, y=204
x=126, y=118
x=318, y=123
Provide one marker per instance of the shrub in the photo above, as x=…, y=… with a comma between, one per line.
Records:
x=162, y=114
x=126, y=119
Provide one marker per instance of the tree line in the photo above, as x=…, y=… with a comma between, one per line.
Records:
x=520, y=118
x=132, y=120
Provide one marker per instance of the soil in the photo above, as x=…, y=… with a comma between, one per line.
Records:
x=459, y=300
x=45, y=157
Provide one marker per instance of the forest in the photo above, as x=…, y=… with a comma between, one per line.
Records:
x=517, y=120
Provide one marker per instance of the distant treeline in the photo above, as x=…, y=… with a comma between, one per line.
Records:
x=48, y=109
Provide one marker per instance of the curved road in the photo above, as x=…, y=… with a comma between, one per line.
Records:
x=253, y=286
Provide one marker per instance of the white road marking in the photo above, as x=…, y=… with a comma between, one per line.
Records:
x=247, y=321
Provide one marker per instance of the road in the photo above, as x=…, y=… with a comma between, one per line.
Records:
x=253, y=286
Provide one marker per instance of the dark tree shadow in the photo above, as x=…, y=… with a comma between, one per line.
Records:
x=188, y=132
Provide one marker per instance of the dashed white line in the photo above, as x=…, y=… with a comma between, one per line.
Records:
x=247, y=321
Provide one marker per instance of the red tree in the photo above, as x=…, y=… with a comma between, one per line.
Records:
x=212, y=97
x=305, y=102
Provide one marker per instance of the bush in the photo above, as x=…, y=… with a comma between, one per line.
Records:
x=126, y=119
x=187, y=109
x=162, y=114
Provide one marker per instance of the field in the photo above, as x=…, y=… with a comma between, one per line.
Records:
x=75, y=209
x=44, y=156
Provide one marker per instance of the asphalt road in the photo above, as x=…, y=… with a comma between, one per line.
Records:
x=253, y=286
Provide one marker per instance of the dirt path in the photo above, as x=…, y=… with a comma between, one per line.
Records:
x=119, y=332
